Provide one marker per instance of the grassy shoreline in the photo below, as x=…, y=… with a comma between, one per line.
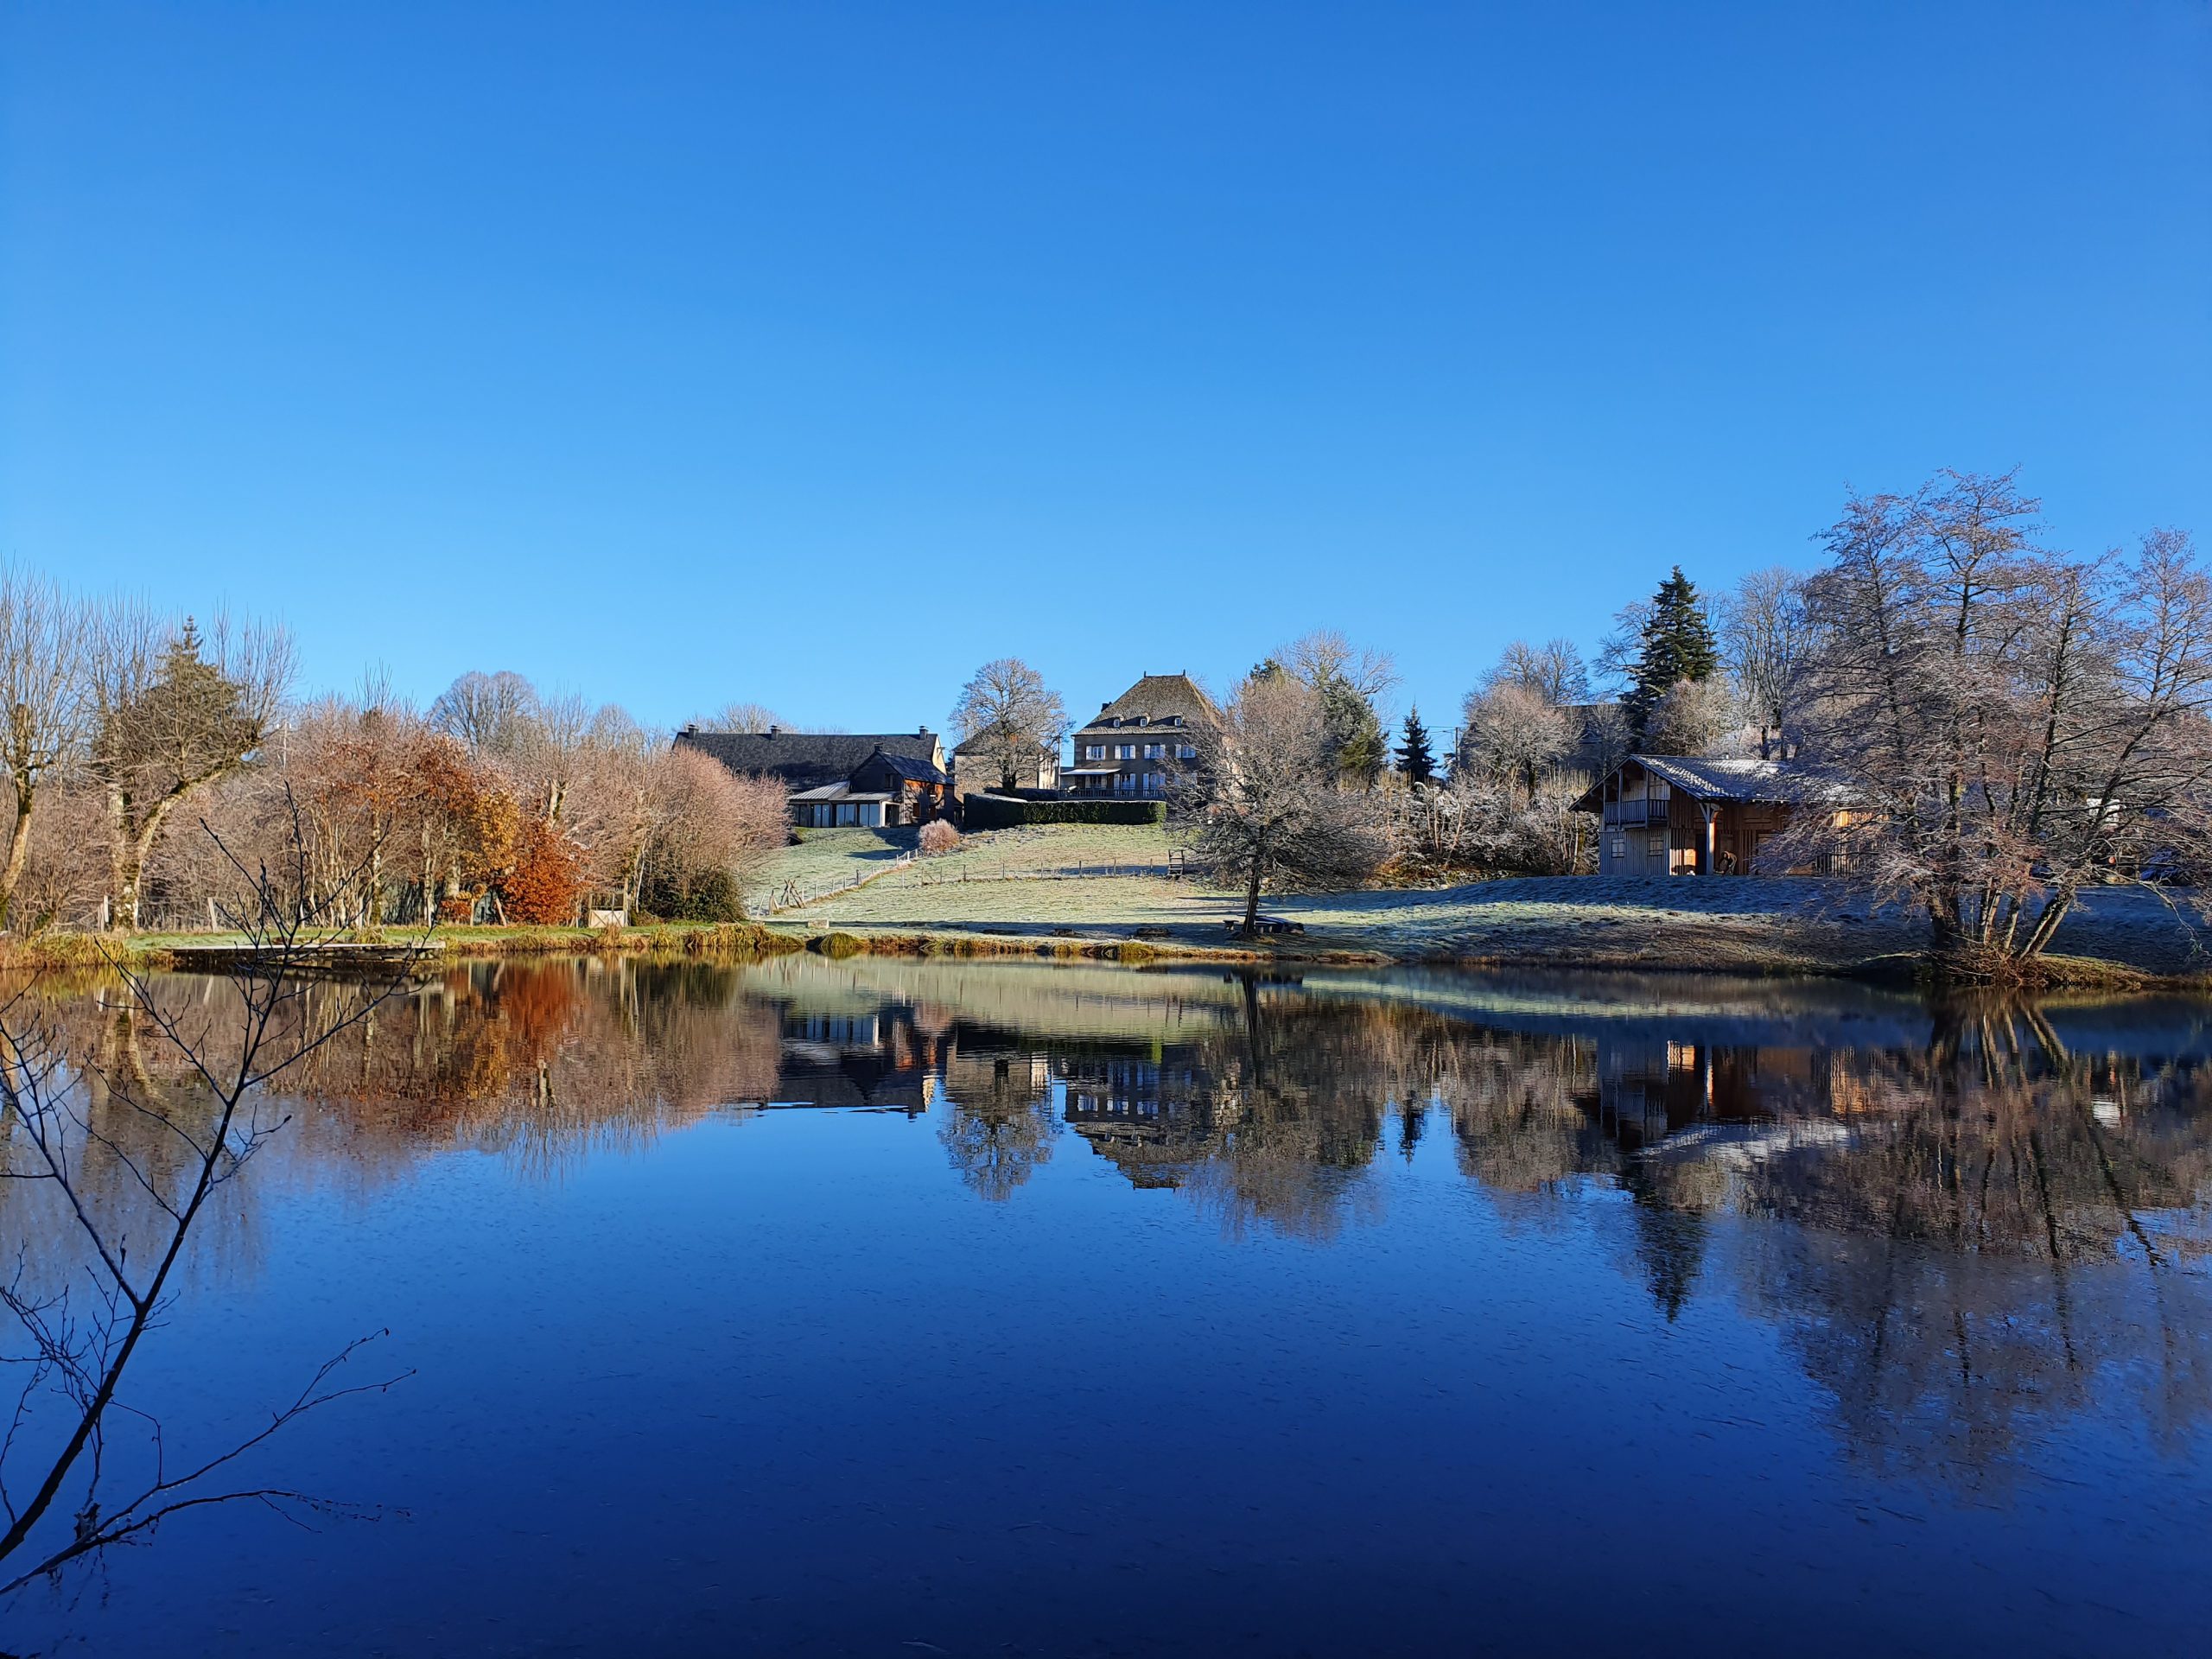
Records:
x=1114, y=893
x=1670, y=942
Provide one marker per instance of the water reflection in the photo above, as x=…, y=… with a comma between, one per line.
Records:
x=1967, y=1222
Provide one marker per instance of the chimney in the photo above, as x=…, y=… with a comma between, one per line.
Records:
x=921, y=731
x=773, y=730
x=1104, y=706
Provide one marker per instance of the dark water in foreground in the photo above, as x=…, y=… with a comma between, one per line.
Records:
x=901, y=1308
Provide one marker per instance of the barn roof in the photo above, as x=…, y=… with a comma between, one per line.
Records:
x=1705, y=778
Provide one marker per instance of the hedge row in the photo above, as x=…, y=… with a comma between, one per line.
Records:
x=1004, y=812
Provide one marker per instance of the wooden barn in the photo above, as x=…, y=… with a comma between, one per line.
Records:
x=1685, y=814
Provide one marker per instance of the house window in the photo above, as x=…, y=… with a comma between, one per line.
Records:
x=1094, y=751
x=1620, y=847
x=1154, y=751
x=1125, y=750
x=1155, y=782
x=1189, y=752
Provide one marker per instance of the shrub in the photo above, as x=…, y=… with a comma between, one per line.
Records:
x=838, y=945
x=1004, y=812
x=938, y=836
x=547, y=882
x=709, y=895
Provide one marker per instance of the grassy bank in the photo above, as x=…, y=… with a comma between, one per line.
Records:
x=1110, y=893
x=1091, y=885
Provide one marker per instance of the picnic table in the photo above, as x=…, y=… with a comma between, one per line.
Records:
x=1264, y=924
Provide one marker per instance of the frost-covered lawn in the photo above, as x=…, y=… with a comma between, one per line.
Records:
x=827, y=858
x=1045, y=881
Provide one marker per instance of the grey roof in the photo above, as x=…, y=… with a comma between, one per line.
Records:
x=1707, y=779
x=987, y=743
x=809, y=759
x=1152, y=701
x=905, y=765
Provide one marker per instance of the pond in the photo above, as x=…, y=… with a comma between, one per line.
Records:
x=900, y=1307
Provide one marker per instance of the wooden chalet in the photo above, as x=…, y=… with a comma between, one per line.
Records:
x=1686, y=815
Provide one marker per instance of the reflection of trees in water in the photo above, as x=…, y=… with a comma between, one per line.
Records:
x=2002, y=1241
x=1985, y=1231
x=1944, y=1362
x=128, y=1154
x=1988, y=1234
x=998, y=1124
x=540, y=1061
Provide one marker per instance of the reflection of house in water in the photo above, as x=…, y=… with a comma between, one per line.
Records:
x=1147, y=1110
x=979, y=1077
x=1649, y=1089
x=879, y=1058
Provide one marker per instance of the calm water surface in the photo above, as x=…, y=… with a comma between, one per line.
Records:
x=898, y=1308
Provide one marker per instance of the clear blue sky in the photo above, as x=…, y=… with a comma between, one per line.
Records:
x=814, y=354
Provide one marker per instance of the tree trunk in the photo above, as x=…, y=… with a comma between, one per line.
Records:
x=19, y=847
x=1252, y=901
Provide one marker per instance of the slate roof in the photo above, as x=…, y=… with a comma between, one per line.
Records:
x=905, y=766
x=1155, y=701
x=809, y=759
x=983, y=743
x=836, y=792
x=1739, y=781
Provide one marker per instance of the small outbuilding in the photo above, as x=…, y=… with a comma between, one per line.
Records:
x=883, y=790
x=1688, y=815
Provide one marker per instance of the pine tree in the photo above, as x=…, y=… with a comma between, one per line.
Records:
x=1355, y=743
x=1414, y=758
x=1678, y=645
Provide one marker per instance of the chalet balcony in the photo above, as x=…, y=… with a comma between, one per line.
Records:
x=1634, y=815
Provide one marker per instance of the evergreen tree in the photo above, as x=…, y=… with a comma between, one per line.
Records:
x=1357, y=745
x=1414, y=758
x=1678, y=645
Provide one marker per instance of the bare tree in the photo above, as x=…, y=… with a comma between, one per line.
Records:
x=43, y=695
x=2014, y=724
x=82, y=1468
x=1554, y=670
x=1259, y=809
x=1008, y=711
x=1693, y=717
x=1325, y=655
x=172, y=711
x=744, y=717
x=1618, y=651
x=1514, y=733
x=485, y=712
x=1767, y=639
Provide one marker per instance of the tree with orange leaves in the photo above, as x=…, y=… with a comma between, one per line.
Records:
x=546, y=883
